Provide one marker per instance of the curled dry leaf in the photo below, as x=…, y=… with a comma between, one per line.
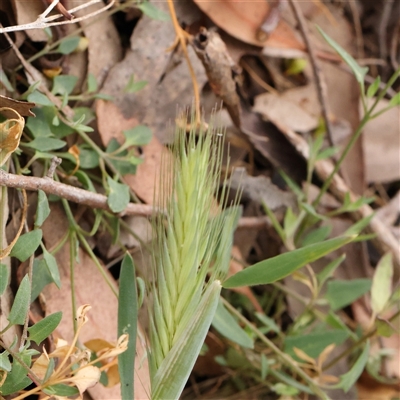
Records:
x=81, y=314
x=10, y=133
x=243, y=20
x=86, y=378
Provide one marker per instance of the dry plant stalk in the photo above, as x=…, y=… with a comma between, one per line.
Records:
x=45, y=21
x=194, y=241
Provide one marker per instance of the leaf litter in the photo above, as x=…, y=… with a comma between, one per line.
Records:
x=144, y=85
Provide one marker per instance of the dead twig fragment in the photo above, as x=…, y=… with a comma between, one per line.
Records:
x=68, y=192
x=321, y=86
x=220, y=69
x=55, y=162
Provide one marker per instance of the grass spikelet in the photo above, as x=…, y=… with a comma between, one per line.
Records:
x=193, y=244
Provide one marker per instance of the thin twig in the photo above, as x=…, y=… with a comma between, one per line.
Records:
x=46, y=22
x=55, y=161
x=321, y=86
x=68, y=192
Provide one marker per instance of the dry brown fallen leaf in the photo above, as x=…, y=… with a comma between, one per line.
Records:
x=169, y=86
x=90, y=288
x=381, y=145
x=243, y=19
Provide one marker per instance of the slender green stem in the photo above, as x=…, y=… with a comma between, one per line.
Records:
x=355, y=137
x=283, y=356
x=72, y=258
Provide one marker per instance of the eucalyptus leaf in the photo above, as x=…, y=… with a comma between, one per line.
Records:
x=44, y=328
x=26, y=245
x=127, y=324
x=278, y=267
x=20, y=307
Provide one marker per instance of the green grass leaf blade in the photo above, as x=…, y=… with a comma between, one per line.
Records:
x=341, y=293
x=127, y=324
x=227, y=326
x=21, y=303
x=173, y=373
x=4, y=278
x=348, y=379
x=278, y=267
x=26, y=245
x=44, y=328
x=359, y=72
x=382, y=284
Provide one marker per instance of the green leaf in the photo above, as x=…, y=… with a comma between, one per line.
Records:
x=127, y=323
x=43, y=209
x=64, y=84
x=20, y=306
x=268, y=323
x=175, y=369
x=153, y=12
x=44, y=328
x=38, y=125
x=133, y=86
x=17, y=379
x=39, y=98
x=88, y=158
x=227, y=326
x=359, y=72
x=45, y=144
x=290, y=223
x=317, y=235
x=373, y=88
x=41, y=278
x=264, y=366
x=52, y=266
x=356, y=228
x=381, y=289
x=61, y=390
x=91, y=83
x=278, y=267
x=118, y=197
x=5, y=364
x=5, y=82
x=137, y=136
x=349, y=379
x=68, y=45
x=395, y=100
x=314, y=343
x=328, y=271
x=4, y=277
x=341, y=293
x=26, y=245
